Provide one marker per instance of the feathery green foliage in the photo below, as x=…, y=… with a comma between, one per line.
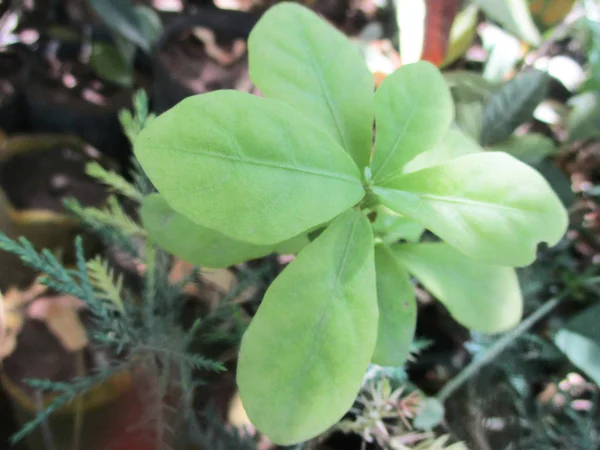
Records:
x=139, y=328
x=114, y=181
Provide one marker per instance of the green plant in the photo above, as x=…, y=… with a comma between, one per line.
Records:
x=242, y=174
x=132, y=27
x=139, y=326
x=387, y=416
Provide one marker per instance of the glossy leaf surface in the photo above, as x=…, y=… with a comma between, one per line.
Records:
x=297, y=57
x=251, y=168
x=304, y=355
x=481, y=297
x=513, y=105
x=489, y=206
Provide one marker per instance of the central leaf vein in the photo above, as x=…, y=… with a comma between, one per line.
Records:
x=243, y=159
x=325, y=313
x=400, y=136
x=317, y=68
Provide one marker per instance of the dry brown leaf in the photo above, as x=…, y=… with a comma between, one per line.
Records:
x=59, y=313
x=212, y=49
x=237, y=416
x=12, y=315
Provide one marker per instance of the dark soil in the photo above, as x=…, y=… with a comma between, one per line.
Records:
x=12, y=107
x=42, y=179
x=214, y=58
x=39, y=355
x=64, y=95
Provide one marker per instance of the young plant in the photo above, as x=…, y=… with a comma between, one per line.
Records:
x=238, y=176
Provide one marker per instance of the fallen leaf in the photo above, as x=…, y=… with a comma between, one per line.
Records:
x=12, y=315
x=59, y=313
x=237, y=416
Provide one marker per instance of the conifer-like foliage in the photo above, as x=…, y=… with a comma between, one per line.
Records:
x=246, y=174
x=142, y=330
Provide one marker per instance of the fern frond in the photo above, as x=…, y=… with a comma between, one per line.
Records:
x=114, y=181
x=112, y=216
x=107, y=285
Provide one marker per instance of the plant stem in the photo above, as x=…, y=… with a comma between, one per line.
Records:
x=497, y=348
x=369, y=201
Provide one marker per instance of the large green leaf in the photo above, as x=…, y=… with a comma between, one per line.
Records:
x=413, y=110
x=252, y=168
x=192, y=242
x=454, y=144
x=304, y=355
x=121, y=17
x=513, y=15
x=299, y=58
x=489, y=205
x=530, y=148
x=513, y=105
x=579, y=339
x=479, y=296
x=397, y=310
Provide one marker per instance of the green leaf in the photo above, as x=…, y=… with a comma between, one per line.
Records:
x=454, y=144
x=481, y=297
x=149, y=22
x=579, y=340
x=469, y=85
x=469, y=117
x=490, y=206
x=390, y=227
x=430, y=414
x=397, y=310
x=560, y=182
x=504, y=52
x=192, y=242
x=513, y=105
x=462, y=34
x=120, y=16
x=293, y=245
x=531, y=148
x=253, y=168
x=109, y=63
x=297, y=57
x=413, y=110
x=304, y=354
x=470, y=91
x=584, y=117
x=513, y=15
